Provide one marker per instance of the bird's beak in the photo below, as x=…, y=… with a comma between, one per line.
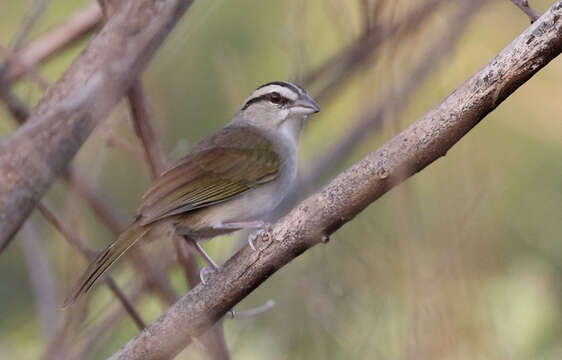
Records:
x=304, y=105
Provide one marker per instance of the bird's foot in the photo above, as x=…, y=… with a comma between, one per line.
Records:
x=265, y=230
x=250, y=313
x=204, y=274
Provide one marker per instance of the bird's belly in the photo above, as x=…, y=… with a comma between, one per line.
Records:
x=255, y=204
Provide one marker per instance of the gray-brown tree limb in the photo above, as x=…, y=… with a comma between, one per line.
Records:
x=31, y=158
x=317, y=217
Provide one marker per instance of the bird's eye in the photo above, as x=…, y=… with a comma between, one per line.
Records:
x=275, y=98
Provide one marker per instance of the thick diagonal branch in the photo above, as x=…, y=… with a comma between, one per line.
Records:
x=311, y=222
x=31, y=159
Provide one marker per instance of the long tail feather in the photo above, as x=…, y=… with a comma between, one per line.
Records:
x=104, y=260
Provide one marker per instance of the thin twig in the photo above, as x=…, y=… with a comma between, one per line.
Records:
x=248, y=314
x=527, y=9
x=144, y=129
x=113, y=140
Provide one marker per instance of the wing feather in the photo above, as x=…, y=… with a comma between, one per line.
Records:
x=221, y=167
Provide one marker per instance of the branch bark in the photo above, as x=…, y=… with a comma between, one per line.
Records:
x=31, y=158
x=316, y=218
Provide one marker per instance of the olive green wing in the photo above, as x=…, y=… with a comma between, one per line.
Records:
x=230, y=162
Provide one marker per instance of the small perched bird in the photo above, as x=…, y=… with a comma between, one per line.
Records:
x=230, y=181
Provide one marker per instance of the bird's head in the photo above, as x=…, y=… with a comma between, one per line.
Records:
x=277, y=105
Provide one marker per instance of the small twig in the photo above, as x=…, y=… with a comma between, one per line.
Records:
x=128, y=305
x=113, y=140
x=33, y=15
x=247, y=314
x=527, y=9
x=144, y=129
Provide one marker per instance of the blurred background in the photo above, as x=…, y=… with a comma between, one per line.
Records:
x=462, y=261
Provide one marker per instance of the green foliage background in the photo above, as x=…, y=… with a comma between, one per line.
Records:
x=463, y=261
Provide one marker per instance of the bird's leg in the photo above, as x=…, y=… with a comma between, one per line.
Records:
x=262, y=227
x=204, y=255
x=256, y=224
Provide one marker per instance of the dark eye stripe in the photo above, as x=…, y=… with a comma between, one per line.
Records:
x=297, y=89
x=264, y=97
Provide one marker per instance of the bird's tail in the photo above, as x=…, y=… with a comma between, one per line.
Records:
x=104, y=260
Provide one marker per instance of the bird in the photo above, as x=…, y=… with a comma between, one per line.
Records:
x=231, y=180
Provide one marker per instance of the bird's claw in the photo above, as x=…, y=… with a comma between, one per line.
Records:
x=204, y=272
x=265, y=229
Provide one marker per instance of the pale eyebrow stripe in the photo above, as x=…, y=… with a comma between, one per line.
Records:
x=285, y=91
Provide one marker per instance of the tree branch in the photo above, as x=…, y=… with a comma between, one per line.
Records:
x=144, y=129
x=316, y=218
x=31, y=158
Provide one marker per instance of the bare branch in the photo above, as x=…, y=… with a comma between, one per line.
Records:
x=31, y=158
x=527, y=9
x=144, y=129
x=316, y=218
x=43, y=48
